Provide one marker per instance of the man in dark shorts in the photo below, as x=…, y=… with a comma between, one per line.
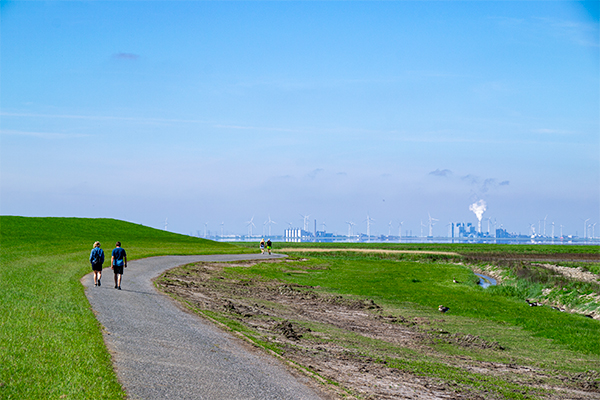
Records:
x=269, y=246
x=118, y=261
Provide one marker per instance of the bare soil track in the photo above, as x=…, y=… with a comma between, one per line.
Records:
x=282, y=314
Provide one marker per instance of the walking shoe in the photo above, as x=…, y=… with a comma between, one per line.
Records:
x=119, y=287
x=116, y=286
x=95, y=284
x=99, y=284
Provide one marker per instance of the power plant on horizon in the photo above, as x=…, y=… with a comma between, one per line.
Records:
x=457, y=231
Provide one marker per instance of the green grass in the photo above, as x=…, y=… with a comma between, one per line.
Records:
x=421, y=287
x=51, y=345
x=461, y=248
x=557, y=345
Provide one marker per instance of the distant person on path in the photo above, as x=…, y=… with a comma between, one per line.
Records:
x=118, y=262
x=269, y=246
x=97, y=259
x=262, y=246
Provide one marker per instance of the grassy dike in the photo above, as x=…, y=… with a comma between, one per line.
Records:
x=51, y=345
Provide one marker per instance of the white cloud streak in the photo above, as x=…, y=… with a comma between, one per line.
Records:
x=44, y=135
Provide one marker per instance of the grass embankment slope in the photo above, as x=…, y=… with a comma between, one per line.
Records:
x=50, y=342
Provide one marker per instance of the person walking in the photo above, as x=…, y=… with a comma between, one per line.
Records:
x=262, y=246
x=269, y=246
x=118, y=262
x=97, y=259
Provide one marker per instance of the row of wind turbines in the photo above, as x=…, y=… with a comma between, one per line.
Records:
x=588, y=229
x=269, y=223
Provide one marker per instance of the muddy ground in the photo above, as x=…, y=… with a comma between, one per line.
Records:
x=282, y=314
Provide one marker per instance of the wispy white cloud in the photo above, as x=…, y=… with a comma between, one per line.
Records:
x=256, y=128
x=552, y=131
x=103, y=118
x=508, y=21
x=578, y=32
x=43, y=135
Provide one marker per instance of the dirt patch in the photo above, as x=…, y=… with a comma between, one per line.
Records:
x=329, y=335
x=578, y=273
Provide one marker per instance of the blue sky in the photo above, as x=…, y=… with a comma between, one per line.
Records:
x=214, y=112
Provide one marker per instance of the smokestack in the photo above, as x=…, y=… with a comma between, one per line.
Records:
x=478, y=208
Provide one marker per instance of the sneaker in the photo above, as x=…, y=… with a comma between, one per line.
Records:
x=95, y=284
x=99, y=284
x=116, y=286
x=119, y=287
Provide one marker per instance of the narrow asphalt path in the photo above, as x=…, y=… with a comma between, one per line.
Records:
x=163, y=352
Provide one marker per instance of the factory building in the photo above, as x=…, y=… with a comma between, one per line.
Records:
x=295, y=234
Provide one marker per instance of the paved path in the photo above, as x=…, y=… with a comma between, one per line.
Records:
x=162, y=352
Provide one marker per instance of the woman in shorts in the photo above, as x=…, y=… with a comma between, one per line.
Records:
x=97, y=259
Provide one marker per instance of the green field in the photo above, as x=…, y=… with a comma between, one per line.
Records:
x=51, y=345
x=50, y=342
x=462, y=248
x=411, y=286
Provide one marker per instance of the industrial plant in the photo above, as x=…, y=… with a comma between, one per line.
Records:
x=484, y=230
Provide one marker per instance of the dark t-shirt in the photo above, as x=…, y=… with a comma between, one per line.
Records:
x=119, y=253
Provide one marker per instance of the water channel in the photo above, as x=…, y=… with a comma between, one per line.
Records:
x=486, y=281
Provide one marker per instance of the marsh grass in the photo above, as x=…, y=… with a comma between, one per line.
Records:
x=51, y=345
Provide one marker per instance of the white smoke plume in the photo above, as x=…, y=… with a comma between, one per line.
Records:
x=478, y=208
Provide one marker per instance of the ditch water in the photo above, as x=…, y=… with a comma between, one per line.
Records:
x=486, y=281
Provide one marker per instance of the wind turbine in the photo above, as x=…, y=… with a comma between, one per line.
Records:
x=250, y=224
x=270, y=222
x=166, y=223
x=305, y=217
x=552, y=230
x=545, y=224
x=585, y=228
x=369, y=220
x=594, y=230
x=222, y=226
x=350, y=225
x=431, y=224
x=205, y=228
x=390, y=229
x=400, y=229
